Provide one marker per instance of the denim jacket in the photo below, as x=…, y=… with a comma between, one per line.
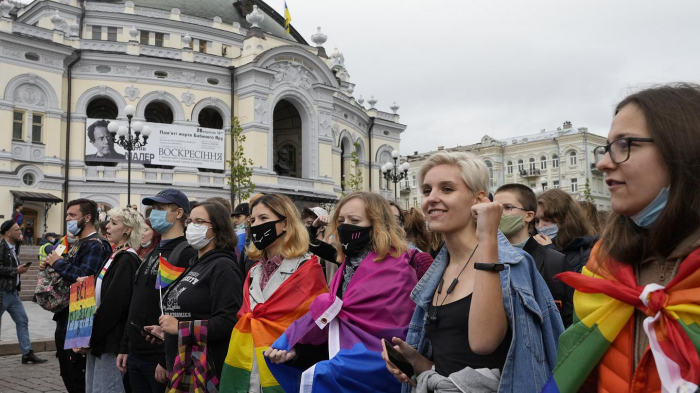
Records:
x=532, y=314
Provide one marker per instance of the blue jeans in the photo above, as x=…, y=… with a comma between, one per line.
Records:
x=12, y=304
x=142, y=376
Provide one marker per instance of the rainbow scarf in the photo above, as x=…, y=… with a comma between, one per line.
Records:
x=604, y=303
x=167, y=273
x=257, y=330
x=376, y=305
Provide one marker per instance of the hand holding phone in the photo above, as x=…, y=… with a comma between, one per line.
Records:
x=398, y=360
x=28, y=264
x=147, y=333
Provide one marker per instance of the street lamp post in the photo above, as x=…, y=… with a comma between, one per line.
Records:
x=399, y=173
x=543, y=181
x=128, y=142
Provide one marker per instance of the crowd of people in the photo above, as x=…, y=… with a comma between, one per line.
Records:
x=470, y=292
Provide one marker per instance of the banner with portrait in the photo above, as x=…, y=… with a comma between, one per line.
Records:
x=168, y=144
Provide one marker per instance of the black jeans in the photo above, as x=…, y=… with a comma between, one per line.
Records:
x=142, y=376
x=71, y=364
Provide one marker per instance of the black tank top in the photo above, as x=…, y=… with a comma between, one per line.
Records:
x=449, y=336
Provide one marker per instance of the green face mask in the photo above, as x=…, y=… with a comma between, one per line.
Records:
x=511, y=224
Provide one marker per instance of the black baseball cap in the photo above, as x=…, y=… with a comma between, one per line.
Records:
x=242, y=208
x=6, y=226
x=169, y=195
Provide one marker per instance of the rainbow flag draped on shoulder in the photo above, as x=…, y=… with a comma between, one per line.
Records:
x=604, y=304
x=256, y=330
x=376, y=305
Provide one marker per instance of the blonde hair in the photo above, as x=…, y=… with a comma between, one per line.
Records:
x=131, y=219
x=387, y=235
x=474, y=171
x=295, y=242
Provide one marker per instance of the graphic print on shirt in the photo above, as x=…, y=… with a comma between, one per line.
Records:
x=171, y=302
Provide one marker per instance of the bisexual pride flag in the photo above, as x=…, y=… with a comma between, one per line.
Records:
x=376, y=305
x=167, y=273
x=604, y=303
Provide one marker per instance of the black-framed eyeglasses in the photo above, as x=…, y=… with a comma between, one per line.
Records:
x=619, y=149
x=508, y=208
x=197, y=223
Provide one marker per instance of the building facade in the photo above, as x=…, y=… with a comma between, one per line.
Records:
x=562, y=158
x=67, y=63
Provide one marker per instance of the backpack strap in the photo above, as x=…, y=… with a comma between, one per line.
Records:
x=413, y=255
x=177, y=251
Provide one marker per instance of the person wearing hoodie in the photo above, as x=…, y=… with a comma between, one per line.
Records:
x=145, y=362
x=208, y=293
x=562, y=223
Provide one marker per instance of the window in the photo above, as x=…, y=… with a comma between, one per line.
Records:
x=159, y=39
x=415, y=182
x=490, y=166
x=572, y=158
x=112, y=34
x=555, y=161
x=574, y=185
x=28, y=179
x=17, y=125
x=532, y=165
x=144, y=37
x=555, y=184
x=543, y=162
x=415, y=202
x=510, y=167
x=32, y=56
x=521, y=165
x=533, y=185
x=36, y=128
x=202, y=46
x=158, y=112
x=407, y=184
x=96, y=32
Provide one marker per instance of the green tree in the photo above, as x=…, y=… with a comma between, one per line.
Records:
x=355, y=179
x=587, y=195
x=241, y=167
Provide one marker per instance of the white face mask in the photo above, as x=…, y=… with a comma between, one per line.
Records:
x=197, y=237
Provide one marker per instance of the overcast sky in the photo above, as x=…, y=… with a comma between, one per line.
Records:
x=463, y=69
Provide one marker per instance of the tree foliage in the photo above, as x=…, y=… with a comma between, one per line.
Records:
x=355, y=180
x=587, y=195
x=241, y=167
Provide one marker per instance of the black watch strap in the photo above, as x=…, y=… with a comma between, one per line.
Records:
x=494, y=267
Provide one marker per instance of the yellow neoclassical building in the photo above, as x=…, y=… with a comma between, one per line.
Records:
x=69, y=67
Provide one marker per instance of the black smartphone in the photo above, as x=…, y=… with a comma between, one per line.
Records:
x=28, y=264
x=146, y=332
x=398, y=360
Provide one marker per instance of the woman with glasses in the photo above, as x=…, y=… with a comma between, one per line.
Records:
x=336, y=347
x=637, y=299
x=562, y=223
x=485, y=320
x=200, y=305
x=277, y=291
x=420, y=261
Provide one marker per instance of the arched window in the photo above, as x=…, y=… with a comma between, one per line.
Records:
x=555, y=161
x=102, y=108
x=210, y=118
x=521, y=166
x=509, y=167
x=158, y=112
x=572, y=158
x=543, y=162
x=415, y=181
x=532, y=165
x=490, y=166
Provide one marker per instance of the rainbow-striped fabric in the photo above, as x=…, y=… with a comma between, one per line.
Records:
x=605, y=301
x=167, y=273
x=257, y=330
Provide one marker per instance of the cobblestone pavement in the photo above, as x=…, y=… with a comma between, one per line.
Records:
x=18, y=377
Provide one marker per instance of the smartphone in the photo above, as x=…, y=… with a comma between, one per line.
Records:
x=28, y=264
x=59, y=249
x=146, y=332
x=398, y=360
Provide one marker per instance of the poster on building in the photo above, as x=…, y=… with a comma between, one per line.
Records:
x=168, y=144
x=81, y=311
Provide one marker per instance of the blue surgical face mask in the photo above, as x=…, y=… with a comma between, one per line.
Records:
x=158, y=221
x=146, y=245
x=549, y=230
x=649, y=214
x=74, y=228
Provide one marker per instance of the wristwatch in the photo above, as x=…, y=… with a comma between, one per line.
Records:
x=494, y=267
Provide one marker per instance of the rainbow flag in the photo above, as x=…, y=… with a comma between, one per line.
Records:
x=256, y=330
x=604, y=303
x=167, y=273
x=376, y=305
x=287, y=18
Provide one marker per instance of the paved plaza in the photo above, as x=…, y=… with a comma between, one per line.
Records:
x=18, y=377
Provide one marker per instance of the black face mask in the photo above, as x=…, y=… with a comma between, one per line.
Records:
x=265, y=234
x=353, y=238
